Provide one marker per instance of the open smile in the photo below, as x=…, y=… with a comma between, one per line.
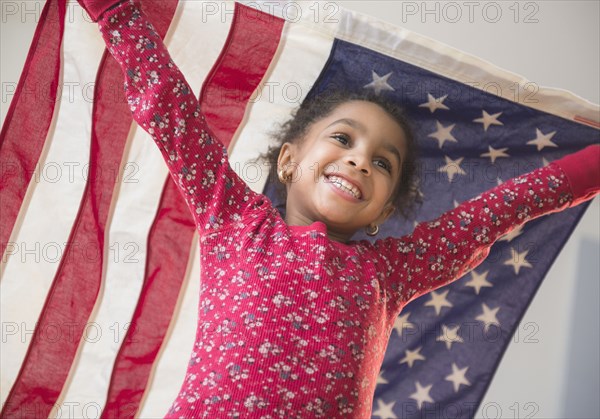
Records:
x=344, y=187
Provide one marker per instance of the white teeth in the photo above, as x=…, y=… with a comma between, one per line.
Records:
x=345, y=185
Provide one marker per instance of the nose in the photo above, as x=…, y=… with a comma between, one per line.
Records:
x=359, y=162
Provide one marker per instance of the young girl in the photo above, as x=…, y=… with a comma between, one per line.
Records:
x=294, y=316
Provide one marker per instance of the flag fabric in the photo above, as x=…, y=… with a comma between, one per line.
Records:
x=98, y=291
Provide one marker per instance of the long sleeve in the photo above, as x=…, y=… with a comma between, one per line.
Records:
x=444, y=249
x=164, y=105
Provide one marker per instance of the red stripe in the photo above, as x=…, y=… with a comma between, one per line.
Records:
x=77, y=281
x=22, y=137
x=250, y=47
x=169, y=241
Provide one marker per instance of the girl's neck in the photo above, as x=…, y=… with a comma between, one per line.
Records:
x=343, y=238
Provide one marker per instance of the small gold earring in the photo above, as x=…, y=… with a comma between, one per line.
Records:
x=283, y=177
x=372, y=230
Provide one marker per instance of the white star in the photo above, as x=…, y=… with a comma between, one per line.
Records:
x=456, y=203
x=545, y=162
x=379, y=83
x=438, y=300
x=478, y=281
x=434, y=103
x=402, y=323
x=443, y=134
x=458, y=377
x=488, y=119
x=499, y=181
x=449, y=336
x=412, y=356
x=513, y=234
x=380, y=379
x=517, y=260
x=422, y=394
x=384, y=411
x=542, y=140
x=452, y=168
x=488, y=317
x=494, y=153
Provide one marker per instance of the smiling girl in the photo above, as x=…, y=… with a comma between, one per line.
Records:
x=294, y=315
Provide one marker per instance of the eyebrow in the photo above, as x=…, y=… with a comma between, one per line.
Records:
x=360, y=127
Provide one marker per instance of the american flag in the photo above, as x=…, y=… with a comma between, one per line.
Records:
x=98, y=298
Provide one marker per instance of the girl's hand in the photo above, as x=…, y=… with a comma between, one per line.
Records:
x=95, y=8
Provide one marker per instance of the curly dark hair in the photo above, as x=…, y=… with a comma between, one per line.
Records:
x=317, y=107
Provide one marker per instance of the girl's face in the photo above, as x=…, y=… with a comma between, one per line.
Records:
x=345, y=170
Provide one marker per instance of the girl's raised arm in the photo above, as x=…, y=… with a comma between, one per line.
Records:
x=164, y=105
x=443, y=250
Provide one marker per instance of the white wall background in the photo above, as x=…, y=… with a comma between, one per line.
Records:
x=552, y=43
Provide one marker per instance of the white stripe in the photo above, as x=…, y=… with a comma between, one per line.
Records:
x=39, y=242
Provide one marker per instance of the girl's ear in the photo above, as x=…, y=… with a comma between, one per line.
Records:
x=286, y=155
